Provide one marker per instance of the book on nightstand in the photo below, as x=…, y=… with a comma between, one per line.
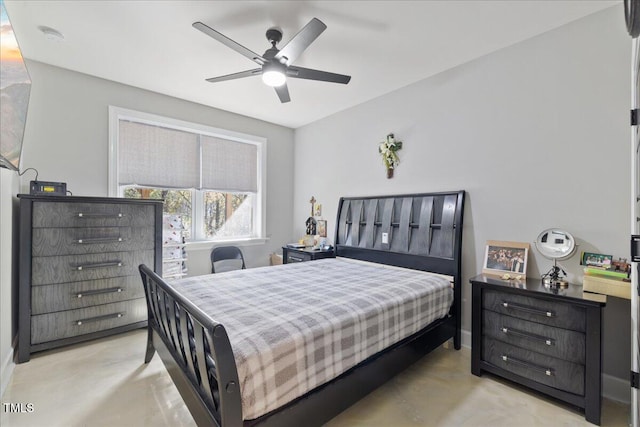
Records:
x=595, y=271
x=601, y=284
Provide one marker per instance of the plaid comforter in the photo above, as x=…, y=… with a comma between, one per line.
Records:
x=297, y=326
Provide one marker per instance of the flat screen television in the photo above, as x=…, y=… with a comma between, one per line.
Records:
x=15, y=87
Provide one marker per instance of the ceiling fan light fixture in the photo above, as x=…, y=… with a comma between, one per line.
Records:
x=273, y=78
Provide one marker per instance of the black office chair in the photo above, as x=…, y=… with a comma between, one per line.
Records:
x=226, y=258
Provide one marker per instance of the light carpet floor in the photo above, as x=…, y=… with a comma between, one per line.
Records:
x=106, y=383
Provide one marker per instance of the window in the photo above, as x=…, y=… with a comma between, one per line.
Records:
x=212, y=178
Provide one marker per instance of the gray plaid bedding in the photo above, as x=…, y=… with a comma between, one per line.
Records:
x=296, y=326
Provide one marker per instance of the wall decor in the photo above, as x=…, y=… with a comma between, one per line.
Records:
x=322, y=228
x=388, y=149
x=506, y=259
x=311, y=223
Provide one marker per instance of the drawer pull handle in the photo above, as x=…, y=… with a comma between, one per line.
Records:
x=100, y=215
x=99, y=265
x=545, y=313
x=516, y=332
x=100, y=240
x=98, y=292
x=547, y=371
x=295, y=258
x=98, y=318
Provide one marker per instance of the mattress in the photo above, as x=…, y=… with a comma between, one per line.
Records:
x=294, y=327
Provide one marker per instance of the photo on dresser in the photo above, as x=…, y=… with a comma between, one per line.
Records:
x=506, y=258
x=591, y=259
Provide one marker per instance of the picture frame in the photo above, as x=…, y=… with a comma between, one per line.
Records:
x=591, y=259
x=322, y=228
x=502, y=258
x=317, y=209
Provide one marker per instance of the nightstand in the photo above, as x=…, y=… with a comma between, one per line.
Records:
x=290, y=255
x=548, y=340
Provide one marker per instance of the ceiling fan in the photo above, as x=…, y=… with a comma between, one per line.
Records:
x=275, y=64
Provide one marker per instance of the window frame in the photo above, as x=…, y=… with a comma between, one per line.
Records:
x=259, y=221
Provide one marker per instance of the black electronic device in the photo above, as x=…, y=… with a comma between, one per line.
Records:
x=46, y=188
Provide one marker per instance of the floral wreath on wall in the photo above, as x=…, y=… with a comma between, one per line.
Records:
x=388, y=149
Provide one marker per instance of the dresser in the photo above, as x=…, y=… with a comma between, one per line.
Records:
x=290, y=255
x=546, y=339
x=78, y=273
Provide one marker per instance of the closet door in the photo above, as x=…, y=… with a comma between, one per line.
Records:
x=635, y=229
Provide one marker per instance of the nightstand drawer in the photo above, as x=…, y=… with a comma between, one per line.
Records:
x=552, y=313
x=291, y=255
x=556, y=342
x=543, y=369
x=298, y=257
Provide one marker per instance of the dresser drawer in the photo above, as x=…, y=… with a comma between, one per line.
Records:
x=560, y=374
x=65, y=324
x=72, y=241
x=68, y=296
x=557, y=342
x=77, y=268
x=553, y=313
x=60, y=214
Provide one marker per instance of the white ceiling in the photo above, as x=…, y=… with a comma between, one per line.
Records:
x=383, y=45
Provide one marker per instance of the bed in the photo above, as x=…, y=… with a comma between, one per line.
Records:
x=297, y=344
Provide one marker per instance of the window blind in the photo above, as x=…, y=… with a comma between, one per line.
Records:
x=162, y=157
x=229, y=165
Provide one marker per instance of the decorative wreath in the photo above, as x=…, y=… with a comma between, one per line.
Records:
x=388, y=149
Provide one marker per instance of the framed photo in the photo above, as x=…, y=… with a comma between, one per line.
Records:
x=322, y=228
x=505, y=258
x=317, y=209
x=596, y=260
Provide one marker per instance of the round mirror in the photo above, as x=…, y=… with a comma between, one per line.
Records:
x=555, y=244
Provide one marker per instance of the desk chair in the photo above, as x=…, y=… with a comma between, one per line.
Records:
x=226, y=258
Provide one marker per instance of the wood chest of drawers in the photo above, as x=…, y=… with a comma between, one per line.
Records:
x=79, y=260
x=546, y=339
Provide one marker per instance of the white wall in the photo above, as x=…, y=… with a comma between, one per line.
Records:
x=537, y=134
x=67, y=140
x=8, y=189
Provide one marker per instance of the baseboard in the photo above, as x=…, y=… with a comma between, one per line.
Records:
x=466, y=339
x=617, y=389
x=6, y=370
x=613, y=388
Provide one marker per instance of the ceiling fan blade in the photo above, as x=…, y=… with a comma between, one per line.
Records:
x=229, y=43
x=311, y=74
x=241, y=74
x=283, y=93
x=301, y=41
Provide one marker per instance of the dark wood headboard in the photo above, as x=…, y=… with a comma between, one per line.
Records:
x=417, y=231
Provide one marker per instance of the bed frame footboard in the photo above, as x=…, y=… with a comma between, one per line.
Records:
x=196, y=353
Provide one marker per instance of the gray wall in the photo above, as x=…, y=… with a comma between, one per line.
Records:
x=537, y=134
x=67, y=140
